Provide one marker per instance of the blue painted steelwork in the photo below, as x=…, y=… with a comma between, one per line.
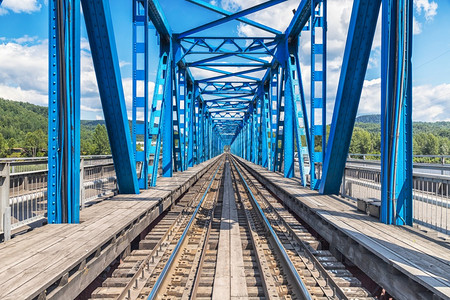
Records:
x=318, y=129
x=140, y=128
x=156, y=119
x=258, y=108
x=190, y=121
x=265, y=130
x=104, y=53
x=356, y=56
x=273, y=94
x=167, y=127
x=64, y=112
x=178, y=121
x=294, y=95
x=396, y=113
x=231, y=17
x=227, y=13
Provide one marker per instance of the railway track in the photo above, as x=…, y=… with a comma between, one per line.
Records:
x=228, y=237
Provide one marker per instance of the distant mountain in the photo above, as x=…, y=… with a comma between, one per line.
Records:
x=369, y=119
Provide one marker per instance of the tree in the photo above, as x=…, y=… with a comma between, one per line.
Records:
x=35, y=141
x=361, y=142
x=100, y=142
x=3, y=146
x=427, y=143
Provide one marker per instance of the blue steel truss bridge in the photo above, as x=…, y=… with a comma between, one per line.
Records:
x=229, y=184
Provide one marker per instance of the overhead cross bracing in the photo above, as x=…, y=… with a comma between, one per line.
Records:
x=216, y=88
x=233, y=80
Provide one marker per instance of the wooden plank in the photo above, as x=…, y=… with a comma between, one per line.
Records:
x=398, y=247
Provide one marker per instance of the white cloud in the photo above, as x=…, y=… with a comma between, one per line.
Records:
x=20, y=6
x=24, y=66
x=428, y=8
x=430, y=103
x=417, y=27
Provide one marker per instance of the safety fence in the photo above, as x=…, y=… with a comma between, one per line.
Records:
x=23, y=188
x=431, y=203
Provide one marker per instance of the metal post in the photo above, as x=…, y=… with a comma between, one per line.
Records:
x=64, y=112
x=5, y=210
x=396, y=112
x=140, y=88
x=318, y=86
x=167, y=130
x=82, y=190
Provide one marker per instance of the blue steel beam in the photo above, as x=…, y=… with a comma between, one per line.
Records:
x=141, y=98
x=231, y=17
x=64, y=112
x=396, y=113
x=234, y=74
x=104, y=53
x=230, y=74
x=356, y=57
x=298, y=22
x=227, y=13
x=156, y=15
x=222, y=56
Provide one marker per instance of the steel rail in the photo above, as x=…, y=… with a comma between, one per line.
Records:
x=144, y=271
x=288, y=261
x=337, y=290
x=167, y=266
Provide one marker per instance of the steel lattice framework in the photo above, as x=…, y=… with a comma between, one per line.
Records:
x=253, y=99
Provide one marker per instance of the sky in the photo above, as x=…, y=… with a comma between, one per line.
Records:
x=24, y=58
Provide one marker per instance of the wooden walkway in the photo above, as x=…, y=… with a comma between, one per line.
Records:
x=405, y=260
x=59, y=261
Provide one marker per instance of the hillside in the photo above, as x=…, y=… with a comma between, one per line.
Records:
x=19, y=118
x=369, y=119
x=24, y=126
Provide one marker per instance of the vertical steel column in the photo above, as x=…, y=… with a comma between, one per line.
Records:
x=288, y=125
x=250, y=133
x=396, y=113
x=255, y=135
x=196, y=127
x=201, y=127
x=179, y=111
x=190, y=125
x=259, y=130
x=140, y=128
x=318, y=86
x=64, y=112
x=266, y=131
x=273, y=106
x=280, y=128
x=167, y=132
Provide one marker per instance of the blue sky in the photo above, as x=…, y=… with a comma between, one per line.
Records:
x=23, y=50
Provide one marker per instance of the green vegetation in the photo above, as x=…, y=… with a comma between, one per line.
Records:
x=23, y=131
x=428, y=139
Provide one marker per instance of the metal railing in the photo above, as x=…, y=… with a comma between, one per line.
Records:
x=431, y=203
x=23, y=188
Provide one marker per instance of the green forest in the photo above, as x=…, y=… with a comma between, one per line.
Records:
x=23, y=132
